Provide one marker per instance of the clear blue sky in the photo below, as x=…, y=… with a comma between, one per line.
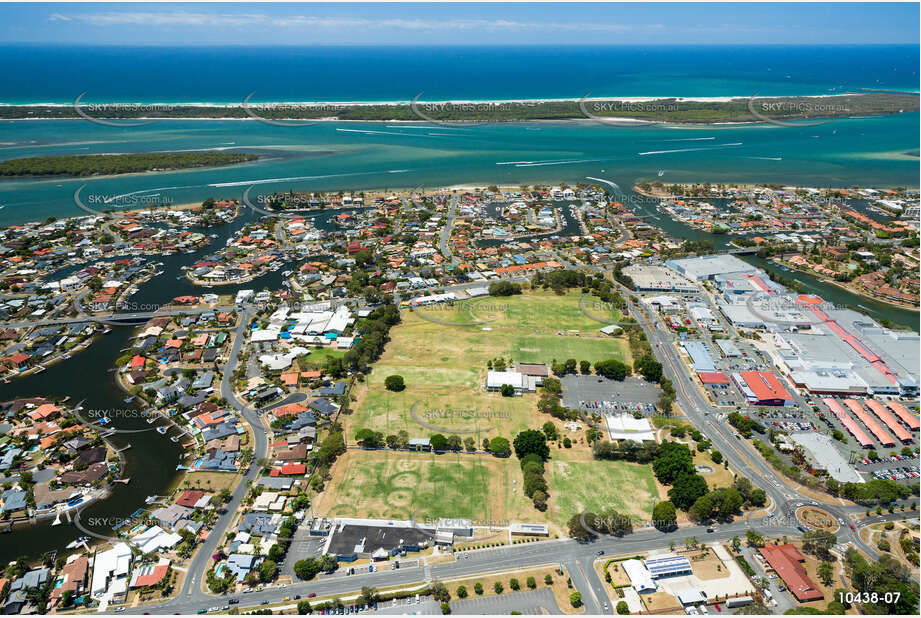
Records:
x=474, y=24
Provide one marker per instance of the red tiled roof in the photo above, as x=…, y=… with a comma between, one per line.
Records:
x=189, y=498
x=785, y=560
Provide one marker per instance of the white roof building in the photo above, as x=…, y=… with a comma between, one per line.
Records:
x=110, y=566
x=154, y=539
x=269, y=501
x=640, y=577
x=265, y=335
x=495, y=380
x=625, y=427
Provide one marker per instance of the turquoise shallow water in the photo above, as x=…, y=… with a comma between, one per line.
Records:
x=881, y=151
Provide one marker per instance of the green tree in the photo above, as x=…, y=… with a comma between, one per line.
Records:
x=622, y=608
x=394, y=383
x=531, y=441
x=498, y=587
x=461, y=592
x=478, y=588
x=672, y=459
x=500, y=446
x=575, y=598
x=664, y=515
x=267, y=570
x=687, y=488
x=438, y=442
x=613, y=369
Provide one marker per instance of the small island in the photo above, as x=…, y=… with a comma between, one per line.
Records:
x=112, y=164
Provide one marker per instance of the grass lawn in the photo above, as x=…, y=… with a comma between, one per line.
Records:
x=395, y=485
x=719, y=477
x=590, y=485
x=317, y=357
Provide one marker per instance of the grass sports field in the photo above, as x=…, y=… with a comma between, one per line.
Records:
x=444, y=365
x=395, y=485
x=590, y=485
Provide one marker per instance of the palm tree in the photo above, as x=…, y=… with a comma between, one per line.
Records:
x=736, y=543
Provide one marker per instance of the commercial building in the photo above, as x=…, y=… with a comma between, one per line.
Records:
x=668, y=566
x=728, y=348
x=350, y=539
x=520, y=529
x=786, y=561
x=709, y=266
x=824, y=456
x=654, y=278
x=700, y=356
x=762, y=388
x=848, y=353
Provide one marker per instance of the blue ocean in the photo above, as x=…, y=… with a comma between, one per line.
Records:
x=47, y=74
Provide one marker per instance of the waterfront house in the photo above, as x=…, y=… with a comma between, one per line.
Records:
x=110, y=573
x=72, y=577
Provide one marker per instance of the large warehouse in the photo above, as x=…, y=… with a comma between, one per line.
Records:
x=709, y=266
